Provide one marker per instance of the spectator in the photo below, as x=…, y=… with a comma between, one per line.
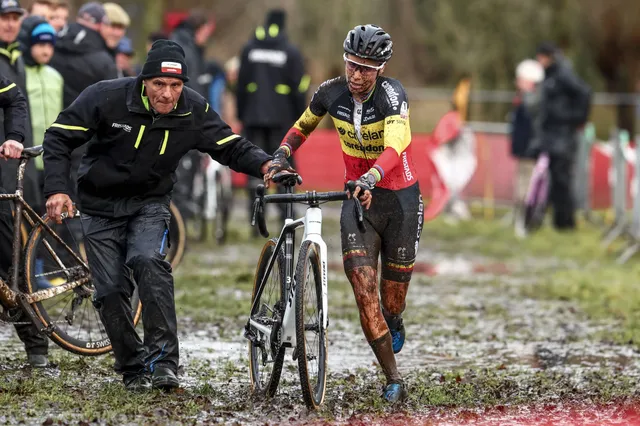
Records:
x=564, y=108
x=60, y=16
x=124, y=53
x=192, y=34
x=529, y=74
x=44, y=84
x=82, y=56
x=115, y=27
x=272, y=86
x=42, y=8
x=12, y=68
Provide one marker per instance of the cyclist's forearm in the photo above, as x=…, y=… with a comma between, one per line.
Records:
x=300, y=131
x=386, y=162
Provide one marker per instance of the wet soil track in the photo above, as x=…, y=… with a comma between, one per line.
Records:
x=480, y=350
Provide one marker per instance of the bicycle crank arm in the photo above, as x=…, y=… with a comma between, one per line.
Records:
x=54, y=291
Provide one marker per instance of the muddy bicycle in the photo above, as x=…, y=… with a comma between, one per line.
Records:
x=289, y=306
x=50, y=283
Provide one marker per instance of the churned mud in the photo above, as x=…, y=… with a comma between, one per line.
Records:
x=484, y=346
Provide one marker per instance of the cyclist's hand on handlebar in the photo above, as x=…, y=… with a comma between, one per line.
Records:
x=56, y=204
x=11, y=149
x=277, y=165
x=363, y=187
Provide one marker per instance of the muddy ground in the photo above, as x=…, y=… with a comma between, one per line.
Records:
x=499, y=331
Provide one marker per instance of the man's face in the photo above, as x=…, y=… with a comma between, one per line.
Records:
x=544, y=60
x=59, y=18
x=203, y=33
x=163, y=93
x=42, y=53
x=361, y=73
x=112, y=34
x=9, y=27
x=41, y=9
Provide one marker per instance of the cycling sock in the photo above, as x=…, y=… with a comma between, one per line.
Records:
x=383, y=350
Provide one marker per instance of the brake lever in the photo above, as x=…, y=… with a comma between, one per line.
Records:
x=258, y=212
x=359, y=215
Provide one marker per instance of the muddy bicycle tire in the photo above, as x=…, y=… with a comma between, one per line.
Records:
x=266, y=383
x=311, y=334
x=42, y=270
x=177, y=237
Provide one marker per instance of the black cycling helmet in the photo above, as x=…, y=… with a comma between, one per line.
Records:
x=369, y=42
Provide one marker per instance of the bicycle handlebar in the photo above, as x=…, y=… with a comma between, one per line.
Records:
x=311, y=198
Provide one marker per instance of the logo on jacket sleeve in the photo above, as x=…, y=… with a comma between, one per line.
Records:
x=124, y=127
x=171, y=67
x=392, y=94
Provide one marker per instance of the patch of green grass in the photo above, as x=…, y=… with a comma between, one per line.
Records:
x=495, y=240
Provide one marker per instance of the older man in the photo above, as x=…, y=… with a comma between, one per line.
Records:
x=137, y=130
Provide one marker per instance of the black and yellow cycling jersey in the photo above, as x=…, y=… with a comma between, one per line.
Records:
x=374, y=134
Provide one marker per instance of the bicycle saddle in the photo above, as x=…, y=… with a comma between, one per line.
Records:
x=287, y=179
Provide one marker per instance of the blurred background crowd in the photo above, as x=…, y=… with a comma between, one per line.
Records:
x=54, y=49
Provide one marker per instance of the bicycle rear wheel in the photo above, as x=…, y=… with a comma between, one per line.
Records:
x=311, y=335
x=266, y=356
x=71, y=317
x=177, y=237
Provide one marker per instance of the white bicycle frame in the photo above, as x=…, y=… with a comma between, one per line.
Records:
x=312, y=223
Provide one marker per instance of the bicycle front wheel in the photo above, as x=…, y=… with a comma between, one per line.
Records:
x=311, y=335
x=71, y=317
x=266, y=355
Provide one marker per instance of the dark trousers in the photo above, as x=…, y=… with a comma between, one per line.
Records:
x=561, y=192
x=269, y=139
x=34, y=342
x=136, y=245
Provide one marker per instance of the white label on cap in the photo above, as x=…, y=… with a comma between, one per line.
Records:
x=171, y=67
x=9, y=3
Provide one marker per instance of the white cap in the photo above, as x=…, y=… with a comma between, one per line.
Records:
x=530, y=70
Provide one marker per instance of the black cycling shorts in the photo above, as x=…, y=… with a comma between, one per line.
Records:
x=393, y=226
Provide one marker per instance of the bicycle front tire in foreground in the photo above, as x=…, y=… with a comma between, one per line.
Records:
x=265, y=363
x=311, y=335
x=71, y=317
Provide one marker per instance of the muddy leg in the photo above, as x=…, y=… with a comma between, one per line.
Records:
x=365, y=288
x=393, y=295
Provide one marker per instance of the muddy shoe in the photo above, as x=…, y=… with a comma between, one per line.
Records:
x=37, y=361
x=164, y=378
x=396, y=327
x=395, y=393
x=137, y=383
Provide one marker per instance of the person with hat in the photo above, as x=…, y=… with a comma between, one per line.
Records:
x=44, y=84
x=82, y=55
x=564, y=106
x=115, y=27
x=136, y=129
x=124, y=53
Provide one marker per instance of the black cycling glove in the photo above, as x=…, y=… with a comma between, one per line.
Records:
x=367, y=182
x=279, y=162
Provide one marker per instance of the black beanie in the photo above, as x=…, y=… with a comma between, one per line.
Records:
x=165, y=59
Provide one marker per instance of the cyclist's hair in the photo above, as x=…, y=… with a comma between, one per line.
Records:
x=369, y=42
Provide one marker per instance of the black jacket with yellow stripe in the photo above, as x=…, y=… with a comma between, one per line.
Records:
x=132, y=153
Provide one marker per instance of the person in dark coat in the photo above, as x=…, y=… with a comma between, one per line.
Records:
x=272, y=86
x=565, y=101
x=14, y=129
x=136, y=130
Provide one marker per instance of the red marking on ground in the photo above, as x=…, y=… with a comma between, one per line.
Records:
x=568, y=413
